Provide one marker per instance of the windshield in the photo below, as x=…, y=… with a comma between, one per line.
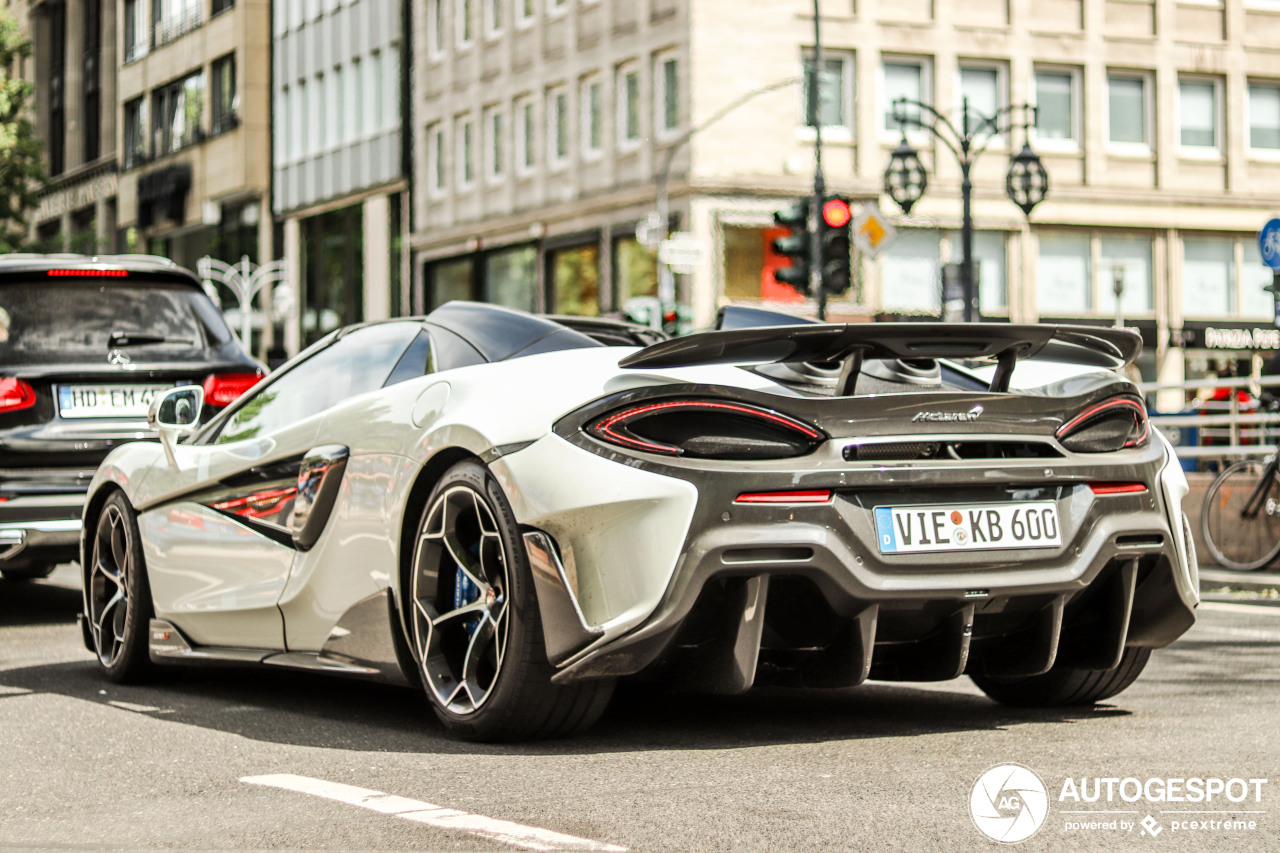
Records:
x=73, y=319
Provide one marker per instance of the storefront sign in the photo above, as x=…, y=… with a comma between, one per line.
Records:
x=1247, y=339
x=77, y=196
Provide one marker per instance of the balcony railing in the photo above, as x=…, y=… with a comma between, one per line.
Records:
x=176, y=25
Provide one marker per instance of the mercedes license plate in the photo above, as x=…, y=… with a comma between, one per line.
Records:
x=106, y=401
x=967, y=527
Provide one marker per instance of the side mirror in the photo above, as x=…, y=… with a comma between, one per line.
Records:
x=177, y=410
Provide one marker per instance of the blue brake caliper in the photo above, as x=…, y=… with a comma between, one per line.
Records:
x=465, y=592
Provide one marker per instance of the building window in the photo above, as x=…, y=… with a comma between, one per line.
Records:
x=910, y=273
x=981, y=86
x=524, y=12
x=1254, y=276
x=1264, y=116
x=389, y=89
x=493, y=18
x=1064, y=281
x=989, y=257
x=1127, y=109
x=557, y=6
x=372, y=111
x=1208, y=276
x=338, y=107
x=592, y=117
x=220, y=6
x=495, y=161
x=435, y=27
x=667, y=96
x=902, y=79
x=171, y=19
x=1129, y=258
x=135, y=133
x=351, y=129
x=280, y=129
x=224, y=95
x=628, y=106
x=436, y=158
x=575, y=278
x=297, y=126
x=558, y=126
x=1056, y=107
x=135, y=31
x=510, y=278
x=57, y=75
x=178, y=109
x=1198, y=113
x=466, y=153
x=91, y=81
x=526, y=136
x=463, y=25
x=833, y=99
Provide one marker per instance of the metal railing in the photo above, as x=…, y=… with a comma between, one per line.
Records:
x=1243, y=432
x=176, y=24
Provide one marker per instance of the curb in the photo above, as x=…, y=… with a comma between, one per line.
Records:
x=1253, y=581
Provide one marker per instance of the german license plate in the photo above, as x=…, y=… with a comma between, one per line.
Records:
x=967, y=527
x=106, y=401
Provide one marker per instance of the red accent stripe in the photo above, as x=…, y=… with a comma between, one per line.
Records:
x=605, y=429
x=1140, y=415
x=1117, y=488
x=807, y=496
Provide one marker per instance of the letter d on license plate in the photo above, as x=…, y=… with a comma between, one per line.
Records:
x=967, y=527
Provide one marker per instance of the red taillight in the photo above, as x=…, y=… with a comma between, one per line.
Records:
x=88, y=273
x=784, y=436
x=806, y=496
x=1116, y=488
x=222, y=389
x=15, y=394
x=260, y=504
x=1107, y=426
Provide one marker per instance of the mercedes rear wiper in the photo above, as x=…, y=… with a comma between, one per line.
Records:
x=135, y=339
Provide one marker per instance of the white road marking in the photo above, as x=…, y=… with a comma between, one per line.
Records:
x=1232, y=607
x=504, y=831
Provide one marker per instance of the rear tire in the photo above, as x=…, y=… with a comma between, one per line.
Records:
x=1233, y=541
x=118, y=595
x=476, y=631
x=1066, y=685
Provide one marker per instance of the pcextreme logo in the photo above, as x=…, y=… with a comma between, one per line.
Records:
x=1009, y=803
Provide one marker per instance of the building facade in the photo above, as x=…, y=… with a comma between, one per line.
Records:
x=339, y=159
x=72, y=66
x=543, y=129
x=193, y=118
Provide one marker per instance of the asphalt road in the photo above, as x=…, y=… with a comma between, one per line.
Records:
x=88, y=765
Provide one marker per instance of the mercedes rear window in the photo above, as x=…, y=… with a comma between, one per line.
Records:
x=71, y=319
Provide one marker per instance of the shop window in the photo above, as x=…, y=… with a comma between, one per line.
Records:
x=333, y=271
x=911, y=275
x=1208, y=276
x=511, y=278
x=989, y=256
x=450, y=280
x=575, y=280
x=1064, y=284
x=635, y=272
x=1129, y=257
x=749, y=264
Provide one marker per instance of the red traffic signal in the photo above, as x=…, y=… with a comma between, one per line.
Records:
x=836, y=212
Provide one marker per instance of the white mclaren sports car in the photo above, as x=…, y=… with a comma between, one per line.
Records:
x=515, y=511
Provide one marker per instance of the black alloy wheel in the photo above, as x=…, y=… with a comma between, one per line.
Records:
x=117, y=596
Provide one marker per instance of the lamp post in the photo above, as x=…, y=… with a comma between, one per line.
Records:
x=905, y=178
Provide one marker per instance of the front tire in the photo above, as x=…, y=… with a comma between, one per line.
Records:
x=475, y=625
x=1067, y=685
x=117, y=594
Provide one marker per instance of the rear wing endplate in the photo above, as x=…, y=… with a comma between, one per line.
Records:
x=850, y=344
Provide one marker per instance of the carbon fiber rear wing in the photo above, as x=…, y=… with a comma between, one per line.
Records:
x=850, y=344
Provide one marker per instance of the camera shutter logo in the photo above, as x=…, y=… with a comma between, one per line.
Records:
x=1008, y=803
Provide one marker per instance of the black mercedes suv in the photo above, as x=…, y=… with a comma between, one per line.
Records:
x=85, y=343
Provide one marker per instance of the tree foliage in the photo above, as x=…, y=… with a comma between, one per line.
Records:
x=22, y=170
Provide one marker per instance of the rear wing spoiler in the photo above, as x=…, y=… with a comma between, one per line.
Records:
x=850, y=344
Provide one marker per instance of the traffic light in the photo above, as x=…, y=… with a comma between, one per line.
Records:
x=833, y=229
x=794, y=245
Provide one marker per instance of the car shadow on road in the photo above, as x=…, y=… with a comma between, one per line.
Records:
x=305, y=709
x=294, y=708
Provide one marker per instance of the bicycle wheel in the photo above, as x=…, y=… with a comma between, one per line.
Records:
x=1236, y=539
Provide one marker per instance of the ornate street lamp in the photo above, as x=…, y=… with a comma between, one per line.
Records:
x=905, y=180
